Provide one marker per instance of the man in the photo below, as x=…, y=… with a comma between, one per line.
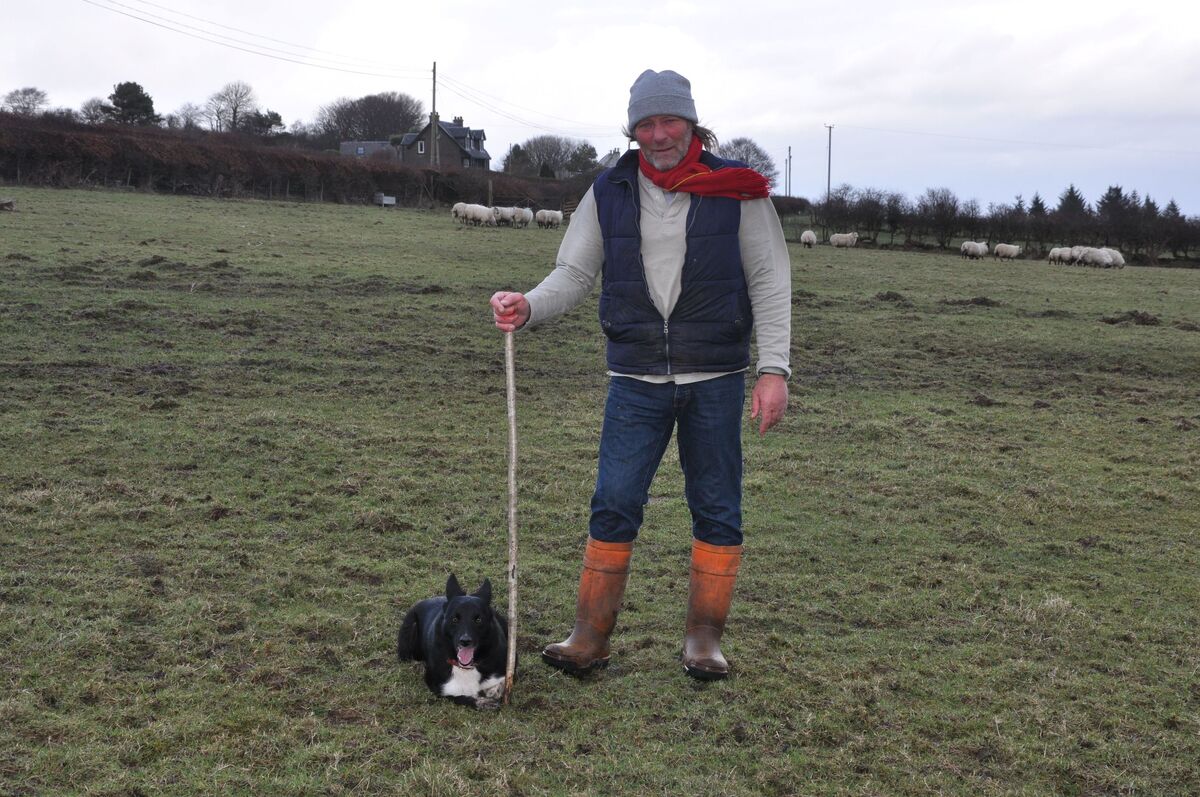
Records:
x=692, y=257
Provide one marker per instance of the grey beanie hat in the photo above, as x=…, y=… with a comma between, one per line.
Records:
x=664, y=93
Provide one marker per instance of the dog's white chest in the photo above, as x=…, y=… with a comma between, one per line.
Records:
x=469, y=683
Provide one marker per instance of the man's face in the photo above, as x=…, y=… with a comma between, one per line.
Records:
x=664, y=140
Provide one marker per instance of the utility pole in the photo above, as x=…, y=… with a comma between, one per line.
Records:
x=828, y=165
x=435, y=155
x=788, y=188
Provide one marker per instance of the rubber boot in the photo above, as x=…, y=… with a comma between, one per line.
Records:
x=714, y=569
x=605, y=571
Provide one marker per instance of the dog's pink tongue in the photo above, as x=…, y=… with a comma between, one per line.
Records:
x=466, y=656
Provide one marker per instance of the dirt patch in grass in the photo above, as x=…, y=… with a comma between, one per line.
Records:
x=977, y=301
x=74, y=274
x=983, y=400
x=1137, y=317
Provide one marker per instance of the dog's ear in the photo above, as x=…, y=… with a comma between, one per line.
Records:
x=484, y=593
x=453, y=590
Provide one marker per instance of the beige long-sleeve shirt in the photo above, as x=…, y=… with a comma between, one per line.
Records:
x=765, y=261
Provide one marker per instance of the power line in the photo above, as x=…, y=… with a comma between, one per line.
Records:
x=467, y=88
x=1025, y=143
x=477, y=97
x=250, y=47
x=339, y=56
x=480, y=98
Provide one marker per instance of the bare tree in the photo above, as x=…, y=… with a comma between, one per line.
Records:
x=335, y=122
x=939, y=209
x=376, y=117
x=92, y=111
x=379, y=116
x=189, y=115
x=745, y=150
x=226, y=108
x=870, y=212
x=28, y=101
x=970, y=218
x=549, y=154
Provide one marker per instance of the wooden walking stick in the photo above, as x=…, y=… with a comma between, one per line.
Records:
x=511, y=385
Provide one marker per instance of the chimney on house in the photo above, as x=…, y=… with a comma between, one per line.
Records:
x=458, y=121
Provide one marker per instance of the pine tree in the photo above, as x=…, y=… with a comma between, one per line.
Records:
x=1073, y=215
x=131, y=105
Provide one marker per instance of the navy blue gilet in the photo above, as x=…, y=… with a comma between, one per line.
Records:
x=709, y=328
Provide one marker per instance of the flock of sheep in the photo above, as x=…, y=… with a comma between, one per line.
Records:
x=974, y=250
x=1102, y=257
x=808, y=239
x=484, y=216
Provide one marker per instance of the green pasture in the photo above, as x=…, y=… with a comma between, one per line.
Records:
x=239, y=439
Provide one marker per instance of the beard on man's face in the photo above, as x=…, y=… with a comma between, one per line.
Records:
x=668, y=159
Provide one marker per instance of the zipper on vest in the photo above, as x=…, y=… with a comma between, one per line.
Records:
x=667, y=342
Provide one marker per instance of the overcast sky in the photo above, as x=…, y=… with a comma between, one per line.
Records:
x=989, y=99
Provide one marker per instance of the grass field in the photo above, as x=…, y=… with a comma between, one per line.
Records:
x=239, y=439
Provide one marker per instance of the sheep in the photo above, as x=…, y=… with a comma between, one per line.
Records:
x=808, y=239
x=1076, y=254
x=1099, y=258
x=479, y=214
x=1060, y=254
x=840, y=239
x=548, y=218
x=504, y=215
x=973, y=250
x=522, y=217
x=1118, y=261
x=1006, y=251
x=458, y=210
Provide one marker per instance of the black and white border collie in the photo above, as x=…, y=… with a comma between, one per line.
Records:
x=462, y=642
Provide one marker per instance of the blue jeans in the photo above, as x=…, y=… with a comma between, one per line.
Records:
x=639, y=418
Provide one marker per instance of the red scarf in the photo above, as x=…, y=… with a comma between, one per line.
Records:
x=694, y=177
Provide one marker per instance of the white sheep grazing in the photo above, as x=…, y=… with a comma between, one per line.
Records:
x=1060, y=254
x=522, y=217
x=840, y=239
x=1097, y=258
x=480, y=215
x=808, y=239
x=504, y=215
x=457, y=211
x=1118, y=260
x=1076, y=254
x=1006, y=251
x=548, y=218
x=973, y=249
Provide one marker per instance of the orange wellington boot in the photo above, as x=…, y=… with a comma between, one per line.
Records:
x=605, y=571
x=714, y=569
